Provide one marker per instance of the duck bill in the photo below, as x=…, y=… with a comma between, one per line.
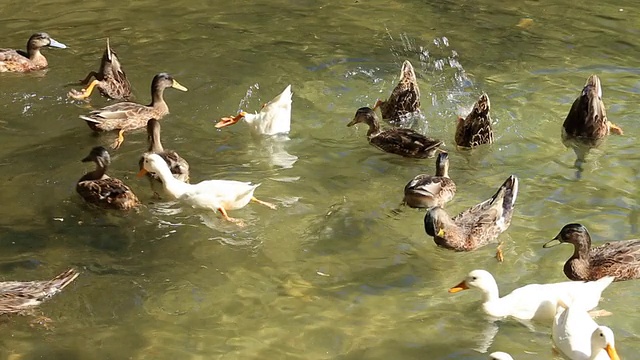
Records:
x=353, y=122
x=611, y=351
x=551, y=243
x=87, y=159
x=228, y=121
x=459, y=287
x=177, y=85
x=142, y=172
x=56, y=44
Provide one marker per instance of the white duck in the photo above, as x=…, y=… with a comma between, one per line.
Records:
x=499, y=355
x=274, y=117
x=578, y=337
x=533, y=301
x=217, y=195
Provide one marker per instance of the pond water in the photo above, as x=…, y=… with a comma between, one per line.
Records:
x=335, y=272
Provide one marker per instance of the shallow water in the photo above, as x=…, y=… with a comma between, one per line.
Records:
x=335, y=272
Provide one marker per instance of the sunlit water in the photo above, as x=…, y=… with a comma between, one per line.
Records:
x=335, y=272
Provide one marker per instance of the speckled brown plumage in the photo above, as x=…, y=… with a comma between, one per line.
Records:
x=110, y=79
x=403, y=142
x=19, y=296
x=617, y=258
x=477, y=226
x=426, y=191
x=96, y=187
x=20, y=61
x=475, y=129
x=404, y=99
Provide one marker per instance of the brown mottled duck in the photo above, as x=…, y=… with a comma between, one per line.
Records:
x=616, y=258
x=426, y=191
x=110, y=79
x=475, y=129
x=20, y=61
x=19, y=296
x=127, y=116
x=96, y=187
x=404, y=99
x=403, y=142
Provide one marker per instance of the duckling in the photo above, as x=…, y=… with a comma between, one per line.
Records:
x=403, y=142
x=426, y=191
x=110, y=80
x=476, y=226
x=96, y=187
x=619, y=258
x=20, y=61
x=586, y=125
x=127, y=116
x=475, y=129
x=216, y=195
x=179, y=167
x=404, y=99
x=19, y=296
x=274, y=117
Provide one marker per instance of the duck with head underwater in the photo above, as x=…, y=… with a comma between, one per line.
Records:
x=475, y=129
x=126, y=116
x=404, y=100
x=399, y=141
x=110, y=79
x=20, y=61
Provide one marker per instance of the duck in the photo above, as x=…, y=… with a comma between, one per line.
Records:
x=577, y=337
x=217, y=195
x=475, y=129
x=530, y=302
x=426, y=191
x=110, y=79
x=499, y=355
x=404, y=99
x=96, y=187
x=20, y=61
x=620, y=259
x=125, y=116
x=17, y=297
x=274, y=117
x=586, y=126
x=179, y=167
x=476, y=226
x=399, y=141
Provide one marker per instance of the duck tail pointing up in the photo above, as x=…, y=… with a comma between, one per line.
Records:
x=510, y=187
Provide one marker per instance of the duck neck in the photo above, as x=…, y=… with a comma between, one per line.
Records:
x=374, y=126
x=157, y=98
x=171, y=185
x=490, y=292
x=155, y=145
x=97, y=174
x=442, y=170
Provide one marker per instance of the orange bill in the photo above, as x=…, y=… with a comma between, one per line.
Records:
x=142, y=172
x=611, y=351
x=459, y=287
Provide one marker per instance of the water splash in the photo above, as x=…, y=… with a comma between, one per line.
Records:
x=244, y=102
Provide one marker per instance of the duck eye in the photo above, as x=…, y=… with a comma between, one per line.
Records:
x=474, y=278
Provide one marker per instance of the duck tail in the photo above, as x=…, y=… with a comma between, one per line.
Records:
x=407, y=71
x=509, y=189
x=59, y=282
x=88, y=119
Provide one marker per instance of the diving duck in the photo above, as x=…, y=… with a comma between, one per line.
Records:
x=618, y=258
x=499, y=355
x=216, y=195
x=179, y=167
x=475, y=129
x=404, y=99
x=20, y=61
x=577, y=337
x=96, y=187
x=426, y=191
x=477, y=226
x=533, y=301
x=19, y=296
x=586, y=125
x=127, y=116
x=110, y=79
x=399, y=141
x=274, y=117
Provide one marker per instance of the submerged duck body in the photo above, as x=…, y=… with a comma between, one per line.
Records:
x=404, y=100
x=20, y=61
x=403, y=142
x=19, y=296
x=620, y=259
x=110, y=80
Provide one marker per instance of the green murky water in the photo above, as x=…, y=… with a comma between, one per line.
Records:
x=334, y=273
